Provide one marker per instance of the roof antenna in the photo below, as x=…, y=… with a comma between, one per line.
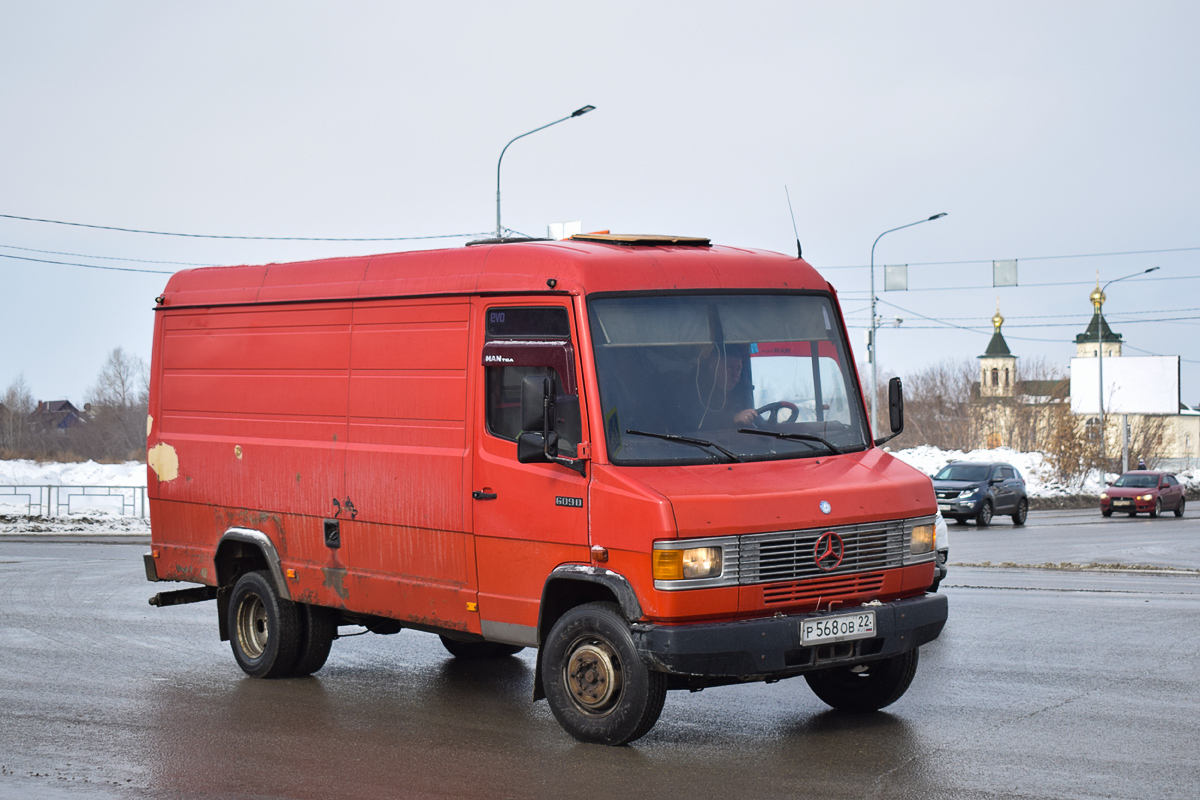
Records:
x=799, y=252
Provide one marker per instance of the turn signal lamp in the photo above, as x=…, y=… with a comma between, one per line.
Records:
x=697, y=562
x=922, y=539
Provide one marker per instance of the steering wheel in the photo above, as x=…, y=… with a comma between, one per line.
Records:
x=770, y=412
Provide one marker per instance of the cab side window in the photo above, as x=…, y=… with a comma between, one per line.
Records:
x=503, y=382
x=504, y=406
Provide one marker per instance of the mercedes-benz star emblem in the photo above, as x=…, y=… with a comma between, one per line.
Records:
x=828, y=551
x=825, y=507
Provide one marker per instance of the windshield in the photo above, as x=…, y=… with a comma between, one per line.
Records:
x=705, y=366
x=1137, y=481
x=963, y=472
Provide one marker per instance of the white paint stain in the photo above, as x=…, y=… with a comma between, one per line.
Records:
x=163, y=459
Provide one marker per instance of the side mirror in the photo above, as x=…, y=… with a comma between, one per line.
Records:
x=895, y=410
x=896, y=405
x=537, y=404
x=534, y=448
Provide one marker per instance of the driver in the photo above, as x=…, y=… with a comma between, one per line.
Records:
x=720, y=388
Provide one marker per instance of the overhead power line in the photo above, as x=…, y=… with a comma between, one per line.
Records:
x=1026, y=258
x=89, y=266
x=108, y=258
x=255, y=238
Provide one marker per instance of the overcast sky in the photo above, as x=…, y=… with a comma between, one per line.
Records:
x=1042, y=129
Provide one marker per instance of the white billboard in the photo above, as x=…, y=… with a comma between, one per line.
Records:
x=1132, y=385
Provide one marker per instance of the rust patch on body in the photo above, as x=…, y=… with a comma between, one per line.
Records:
x=335, y=578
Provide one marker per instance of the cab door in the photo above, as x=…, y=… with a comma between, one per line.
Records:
x=526, y=518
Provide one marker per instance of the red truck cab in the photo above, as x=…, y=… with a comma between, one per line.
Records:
x=648, y=457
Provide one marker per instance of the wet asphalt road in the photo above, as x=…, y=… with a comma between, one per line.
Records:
x=1044, y=684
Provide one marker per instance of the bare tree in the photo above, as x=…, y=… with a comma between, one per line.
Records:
x=118, y=404
x=15, y=433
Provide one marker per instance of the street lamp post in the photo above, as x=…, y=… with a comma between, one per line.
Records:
x=1098, y=298
x=871, y=349
x=579, y=112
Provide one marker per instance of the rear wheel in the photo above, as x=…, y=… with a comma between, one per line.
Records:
x=479, y=649
x=1022, y=512
x=985, y=514
x=1157, y=507
x=865, y=687
x=264, y=629
x=318, y=629
x=598, y=687
x=1179, y=509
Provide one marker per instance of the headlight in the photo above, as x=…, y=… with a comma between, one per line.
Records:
x=696, y=562
x=969, y=493
x=1145, y=498
x=1104, y=495
x=922, y=539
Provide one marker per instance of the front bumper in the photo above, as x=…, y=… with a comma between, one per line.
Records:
x=1135, y=505
x=770, y=648
x=960, y=508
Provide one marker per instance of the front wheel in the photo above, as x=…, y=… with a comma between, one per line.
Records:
x=1179, y=509
x=1106, y=512
x=598, y=688
x=264, y=629
x=985, y=514
x=1157, y=507
x=865, y=687
x=1022, y=512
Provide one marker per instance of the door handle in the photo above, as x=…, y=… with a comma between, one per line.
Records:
x=478, y=495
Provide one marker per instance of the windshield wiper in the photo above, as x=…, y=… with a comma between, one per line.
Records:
x=674, y=437
x=803, y=437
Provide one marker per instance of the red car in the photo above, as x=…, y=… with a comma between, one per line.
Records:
x=1143, y=490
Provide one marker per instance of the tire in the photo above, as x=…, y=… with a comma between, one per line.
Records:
x=1157, y=507
x=865, y=687
x=984, y=518
x=1022, y=512
x=1179, y=508
x=599, y=689
x=264, y=629
x=933, y=587
x=472, y=650
x=318, y=629
x=961, y=520
x=1106, y=512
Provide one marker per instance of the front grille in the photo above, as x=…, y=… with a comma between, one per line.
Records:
x=948, y=494
x=823, y=588
x=789, y=555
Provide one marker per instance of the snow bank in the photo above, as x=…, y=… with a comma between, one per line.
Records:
x=55, y=500
x=1034, y=467
x=87, y=473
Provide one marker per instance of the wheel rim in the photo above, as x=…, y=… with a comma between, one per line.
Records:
x=985, y=516
x=1023, y=510
x=252, y=630
x=1157, y=507
x=593, y=675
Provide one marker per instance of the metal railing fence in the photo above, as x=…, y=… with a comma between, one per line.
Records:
x=58, y=501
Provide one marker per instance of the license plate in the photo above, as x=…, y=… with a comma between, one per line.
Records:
x=1122, y=502
x=842, y=628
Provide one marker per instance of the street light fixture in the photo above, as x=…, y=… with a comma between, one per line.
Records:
x=579, y=112
x=1098, y=299
x=871, y=349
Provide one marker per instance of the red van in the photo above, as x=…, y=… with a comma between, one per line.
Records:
x=646, y=456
